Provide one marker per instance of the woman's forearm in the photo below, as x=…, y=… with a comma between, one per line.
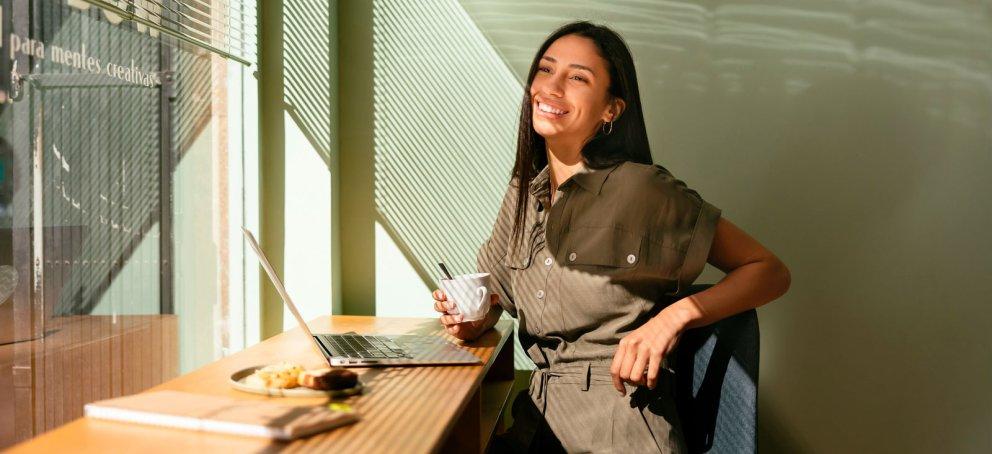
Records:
x=746, y=287
x=479, y=328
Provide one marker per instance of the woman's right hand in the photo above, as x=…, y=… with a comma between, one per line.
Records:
x=453, y=323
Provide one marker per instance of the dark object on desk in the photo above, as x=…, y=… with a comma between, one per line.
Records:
x=324, y=379
x=716, y=369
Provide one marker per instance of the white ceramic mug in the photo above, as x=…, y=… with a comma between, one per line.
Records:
x=470, y=293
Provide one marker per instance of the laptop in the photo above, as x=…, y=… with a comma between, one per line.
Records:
x=365, y=350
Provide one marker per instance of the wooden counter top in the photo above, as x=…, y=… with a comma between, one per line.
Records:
x=404, y=409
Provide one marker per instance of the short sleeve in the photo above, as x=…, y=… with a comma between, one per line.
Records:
x=691, y=220
x=493, y=250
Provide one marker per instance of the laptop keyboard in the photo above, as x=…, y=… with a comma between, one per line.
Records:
x=361, y=346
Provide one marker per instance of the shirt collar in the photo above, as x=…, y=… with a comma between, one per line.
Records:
x=539, y=184
x=591, y=180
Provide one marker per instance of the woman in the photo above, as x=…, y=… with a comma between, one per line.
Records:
x=591, y=244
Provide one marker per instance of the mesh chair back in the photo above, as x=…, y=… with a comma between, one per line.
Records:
x=716, y=386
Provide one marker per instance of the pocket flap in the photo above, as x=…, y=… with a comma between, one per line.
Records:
x=517, y=259
x=520, y=257
x=603, y=246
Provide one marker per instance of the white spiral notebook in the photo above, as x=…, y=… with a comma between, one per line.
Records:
x=220, y=414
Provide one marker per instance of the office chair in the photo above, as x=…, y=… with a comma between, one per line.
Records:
x=716, y=369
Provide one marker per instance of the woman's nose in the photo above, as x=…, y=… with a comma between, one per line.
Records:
x=552, y=86
x=552, y=89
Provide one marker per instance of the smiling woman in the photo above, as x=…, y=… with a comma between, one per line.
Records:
x=568, y=93
x=582, y=87
x=591, y=245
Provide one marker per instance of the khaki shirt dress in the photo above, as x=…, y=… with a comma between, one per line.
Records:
x=610, y=253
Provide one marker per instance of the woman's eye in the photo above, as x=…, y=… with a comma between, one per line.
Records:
x=544, y=69
x=579, y=78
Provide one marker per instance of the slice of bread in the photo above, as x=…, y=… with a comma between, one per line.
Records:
x=327, y=379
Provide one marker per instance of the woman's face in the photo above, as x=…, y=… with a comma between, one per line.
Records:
x=570, y=96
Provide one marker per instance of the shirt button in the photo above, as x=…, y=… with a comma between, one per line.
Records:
x=540, y=294
x=571, y=257
x=631, y=258
x=548, y=261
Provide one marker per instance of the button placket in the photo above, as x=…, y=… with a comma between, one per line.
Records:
x=542, y=303
x=541, y=238
x=552, y=216
x=541, y=293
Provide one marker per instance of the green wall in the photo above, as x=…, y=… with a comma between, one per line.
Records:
x=853, y=139
x=850, y=138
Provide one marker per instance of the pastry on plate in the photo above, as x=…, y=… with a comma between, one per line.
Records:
x=283, y=375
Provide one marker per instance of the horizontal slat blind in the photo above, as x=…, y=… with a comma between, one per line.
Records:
x=226, y=27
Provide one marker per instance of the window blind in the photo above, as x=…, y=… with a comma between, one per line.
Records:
x=226, y=27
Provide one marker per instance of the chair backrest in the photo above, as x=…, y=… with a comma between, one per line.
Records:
x=716, y=369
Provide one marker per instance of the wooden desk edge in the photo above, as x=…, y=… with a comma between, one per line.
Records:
x=450, y=441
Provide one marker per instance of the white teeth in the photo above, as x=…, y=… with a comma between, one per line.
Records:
x=546, y=108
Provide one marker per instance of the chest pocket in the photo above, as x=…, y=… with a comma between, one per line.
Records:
x=602, y=246
x=520, y=257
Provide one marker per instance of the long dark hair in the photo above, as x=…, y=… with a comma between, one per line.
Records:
x=628, y=140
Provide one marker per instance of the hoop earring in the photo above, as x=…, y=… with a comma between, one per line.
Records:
x=607, y=131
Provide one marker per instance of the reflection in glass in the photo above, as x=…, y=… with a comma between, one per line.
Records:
x=118, y=187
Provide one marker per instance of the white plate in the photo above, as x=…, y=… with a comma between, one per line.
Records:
x=237, y=381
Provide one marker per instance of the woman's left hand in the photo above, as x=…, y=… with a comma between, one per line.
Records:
x=638, y=359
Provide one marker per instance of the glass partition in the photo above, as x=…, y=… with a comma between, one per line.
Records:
x=121, y=198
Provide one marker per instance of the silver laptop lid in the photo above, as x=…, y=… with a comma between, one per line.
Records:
x=277, y=283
